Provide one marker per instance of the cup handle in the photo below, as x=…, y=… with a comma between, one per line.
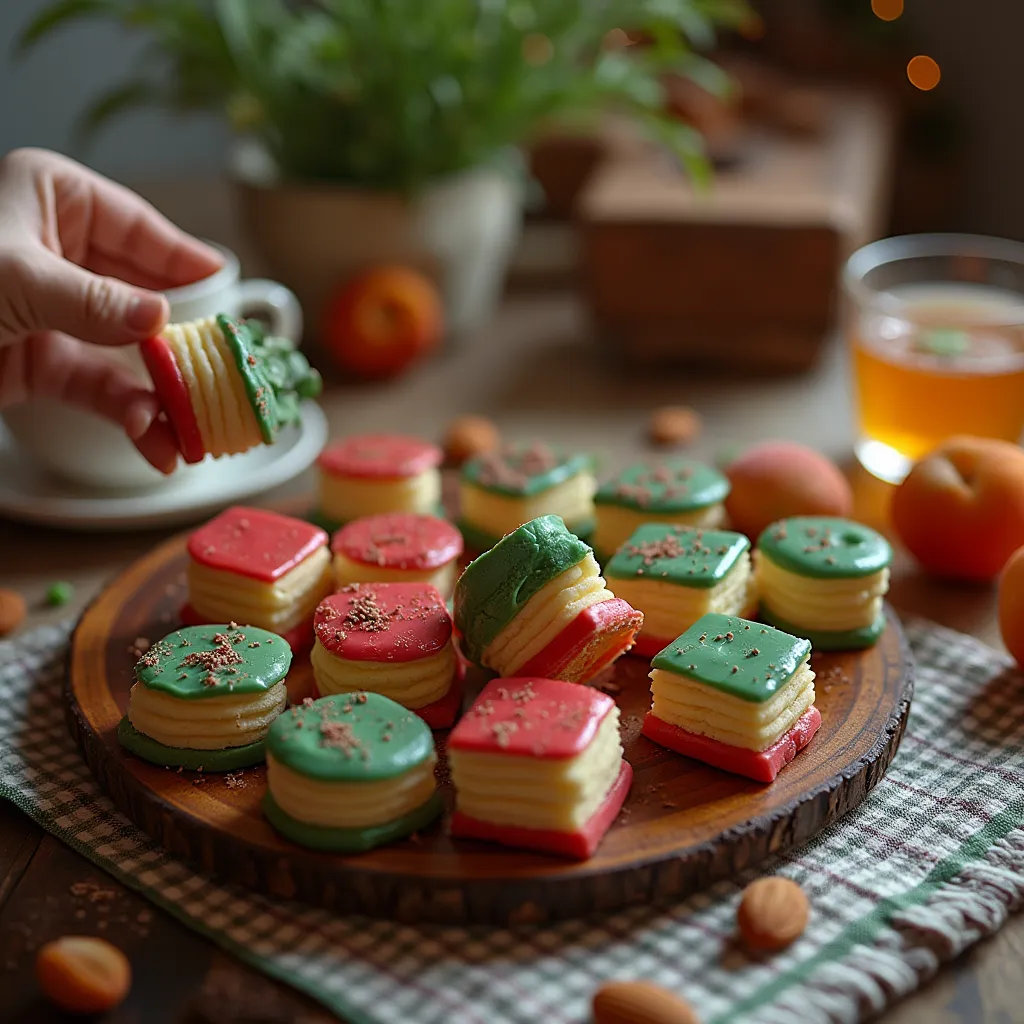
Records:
x=273, y=302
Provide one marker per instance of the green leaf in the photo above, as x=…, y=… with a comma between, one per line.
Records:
x=60, y=14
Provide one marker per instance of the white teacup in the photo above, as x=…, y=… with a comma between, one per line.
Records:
x=89, y=450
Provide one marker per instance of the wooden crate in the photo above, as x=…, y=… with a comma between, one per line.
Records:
x=748, y=270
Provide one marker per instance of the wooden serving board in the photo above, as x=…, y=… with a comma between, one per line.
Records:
x=684, y=825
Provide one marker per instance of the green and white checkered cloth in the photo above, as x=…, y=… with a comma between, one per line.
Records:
x=930, y=863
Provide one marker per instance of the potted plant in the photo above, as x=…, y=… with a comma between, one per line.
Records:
x=384, y=131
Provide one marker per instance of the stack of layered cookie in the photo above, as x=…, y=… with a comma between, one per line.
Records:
x=391, y=614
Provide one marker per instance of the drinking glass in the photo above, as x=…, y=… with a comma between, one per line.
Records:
x=936, y=329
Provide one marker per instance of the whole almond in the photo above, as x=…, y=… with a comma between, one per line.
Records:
x=772, y=914
x=468, y=436
x=639, y=1002
x=83, y=974
x=12, y=611
x=674, y=426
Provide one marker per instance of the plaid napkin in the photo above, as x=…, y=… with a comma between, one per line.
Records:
x=930, y=863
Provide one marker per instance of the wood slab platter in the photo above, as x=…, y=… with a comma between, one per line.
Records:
x=684, y=826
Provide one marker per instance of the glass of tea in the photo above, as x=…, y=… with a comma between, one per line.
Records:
x=936, y=328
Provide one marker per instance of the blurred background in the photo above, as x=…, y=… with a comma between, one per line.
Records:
x=975, y=44
x=694, y=174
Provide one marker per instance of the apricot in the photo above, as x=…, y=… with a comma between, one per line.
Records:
x=960, y=511
x=382, y=320
x=777, y=479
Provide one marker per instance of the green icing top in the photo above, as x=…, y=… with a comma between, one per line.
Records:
x=678, y=554
x=671, y=485
x=350, y=737
x=275, y=374
x=825, y=547
x=524, y=469
x=214, y=661
x=493, y=588
x=741, y=658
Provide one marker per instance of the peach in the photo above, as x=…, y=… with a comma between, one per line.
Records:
x=383, y=319
x=777, y=479
x=960, y=511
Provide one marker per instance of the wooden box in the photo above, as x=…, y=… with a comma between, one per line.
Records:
x=747, y=271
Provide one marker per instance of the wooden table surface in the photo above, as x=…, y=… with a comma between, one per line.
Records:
x=536, y=371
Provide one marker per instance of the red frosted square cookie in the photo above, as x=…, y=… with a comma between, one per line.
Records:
x=255, y=543
x=538, y=763
x=259, y=568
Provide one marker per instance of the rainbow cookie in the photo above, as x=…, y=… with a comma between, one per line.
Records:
x=225, y=386
x=678, y=491
x=374, y=473
x=206, y=696
x=675, y=574
x=537, y=763
x=499, y=491
x=257, y=567
x=398, y=547
x=349, y=772
x=390, y=638
x=536, y=605
x=735, y=694
x=825, y=579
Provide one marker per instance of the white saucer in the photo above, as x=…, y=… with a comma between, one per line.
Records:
x=32, y=495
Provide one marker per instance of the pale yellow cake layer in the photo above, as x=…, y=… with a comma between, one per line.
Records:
x=818, y=603
x=413, y=684
x=709, y=712
x=498, y=514
x=205, y=723
x=346, y=571
x=615, y=524
x=221, y=596
x=349, y=804
x=216, y=390
x=545, y=615
x=671, y=608
x=347, y=498
x=536, y=792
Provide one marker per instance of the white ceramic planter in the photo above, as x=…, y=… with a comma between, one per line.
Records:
x=460, y=232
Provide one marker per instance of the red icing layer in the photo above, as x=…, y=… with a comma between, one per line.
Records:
x=252, y=542
x=172, y=391
x=299, y=638
x=383, y=622
x=590, y=643
x=532, y=717
x=399, y=540
x=759, y=765
x=380, y=456
x=578, y=845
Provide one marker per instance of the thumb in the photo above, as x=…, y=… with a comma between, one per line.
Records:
x=42, y=291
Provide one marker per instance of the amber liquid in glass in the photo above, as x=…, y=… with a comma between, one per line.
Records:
x=946, y=366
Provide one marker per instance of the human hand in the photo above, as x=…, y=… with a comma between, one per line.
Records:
x=81, y=263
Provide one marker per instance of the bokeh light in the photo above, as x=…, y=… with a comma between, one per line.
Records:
x=616, y=39
x=537, y=49
x=887, y=10
x=924, y=72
